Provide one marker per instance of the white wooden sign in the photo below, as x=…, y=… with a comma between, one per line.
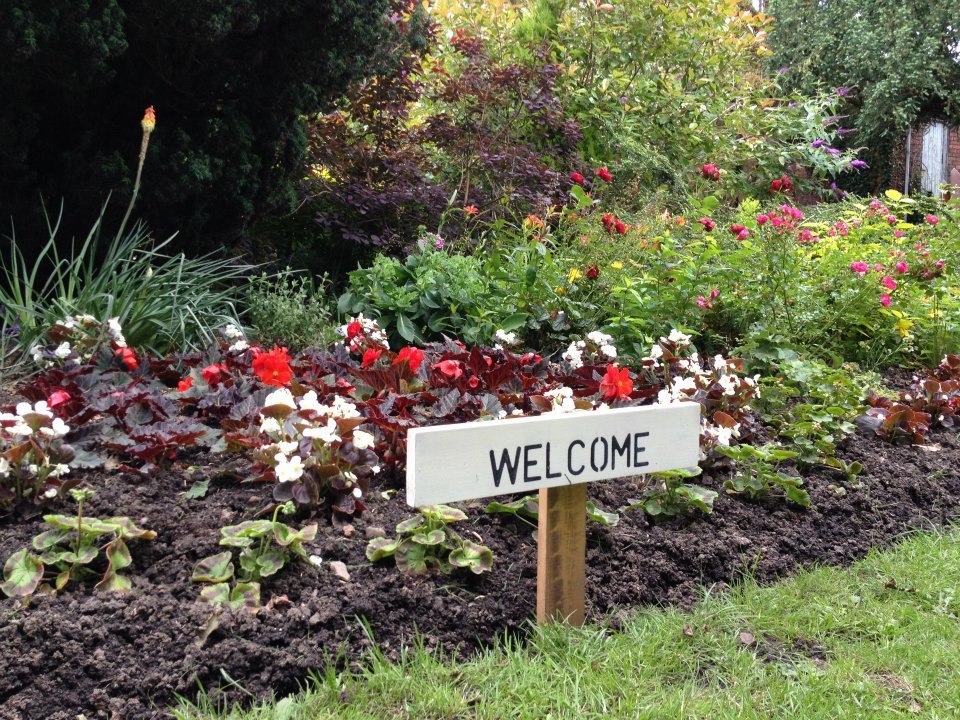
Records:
x=448, y=463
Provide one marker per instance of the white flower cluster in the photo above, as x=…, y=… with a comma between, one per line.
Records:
x=369, y=329
x=308, y=418
x=505, y=339
x=595, y=342
x=38, y=422
x=84, y=333
x=235, y=335
x=562, y=399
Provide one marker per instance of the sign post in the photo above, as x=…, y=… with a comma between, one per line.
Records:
x=557, y=455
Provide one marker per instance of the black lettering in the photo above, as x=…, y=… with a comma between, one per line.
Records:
x=638, y=449
x=617, y=449
x=570, y=457
x=504, y=463
x=549, y=474
x=528, y=463
x=593, y=454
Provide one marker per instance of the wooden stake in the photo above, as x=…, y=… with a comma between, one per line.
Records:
x=561, y=554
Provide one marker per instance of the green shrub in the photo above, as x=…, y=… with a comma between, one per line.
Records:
x=163, y=302
x=286, y=310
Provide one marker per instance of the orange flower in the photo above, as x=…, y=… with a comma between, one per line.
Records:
x=273, y=367
x=471, y=209
x=616, y=383
x=532, y=221
x=149, y=121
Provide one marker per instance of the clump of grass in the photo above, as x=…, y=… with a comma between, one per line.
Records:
x=287, y=309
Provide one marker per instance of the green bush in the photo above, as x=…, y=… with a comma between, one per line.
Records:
x=286, y=310
x=163, y=302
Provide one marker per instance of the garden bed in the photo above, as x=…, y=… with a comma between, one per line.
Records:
x=128, y=655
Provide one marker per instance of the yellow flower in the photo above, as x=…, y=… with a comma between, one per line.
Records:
x=616, y=265
x=560, y=290
x=573, y=275
x=903, y=326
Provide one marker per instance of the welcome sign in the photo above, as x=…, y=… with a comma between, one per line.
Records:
x=448, y=463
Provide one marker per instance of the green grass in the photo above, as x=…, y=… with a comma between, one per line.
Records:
x=880, y=639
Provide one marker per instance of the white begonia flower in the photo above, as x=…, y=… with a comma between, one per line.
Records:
x=656, y=352
x=50, y=494
x=562, y=398
x=36, y=352
x=311, y=402
x=281, y=397
x=59, y=427
x=63, y=350
x=501, y=414
x=4, y=466
x=60, y=470
x=288, y=470
x=32, y=469
x=21, y=428
x=270, y=425
x=9, y=417
x=574, y=354
x=601, y=407
x=363, y=440
x=316, y=560
x=609, y=350
x=719, y=363
x=328, y=433
x=116, y=332
x=516, y=412
x=343, y=408
x=357, y=492
x=507, y=338
x=288, y=447
x=349, y=476
x=375, y=469
x=729, y=384
x=232, y=332
x=239, y=346
x=678, y=338
x=665, y=397
x=599, y=338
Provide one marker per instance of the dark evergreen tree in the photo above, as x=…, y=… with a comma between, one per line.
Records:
x=230, y=81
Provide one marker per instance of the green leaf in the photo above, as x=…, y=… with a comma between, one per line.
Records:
x=22, y=572
x=218, y=594
x=411, y=524
x=434, y=537
x=84, y=556
x=526, y=507
x=379, y=548
x=478, y=558
x=894, y=195
x=245, y=595
x=286, y=535
x=198, y=490
x=413, y=558
x=50, y=538
x=406, y=328
x=443, y=513
x=512, y=322
x=270, y=562
x=214, y=569
x=127, y=529
x=595, y=514
x=243, y=534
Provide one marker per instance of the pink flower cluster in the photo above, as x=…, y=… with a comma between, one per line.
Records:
x=705, y=303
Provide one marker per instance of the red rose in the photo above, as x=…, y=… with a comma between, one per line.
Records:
x=776, y=185
x=450, y=369
x=128, y=357
x=616, y=383
x=273, y=368
x=710, y=171
x=411, y=355
x=577, y=178
x=185, y=384
x=604, y=174
x=370, y=357
x=593, y=272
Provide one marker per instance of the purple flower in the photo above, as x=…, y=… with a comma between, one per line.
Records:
x=859, y=164
x=843, y=91
x=783, y=70
x=817, y=143
x=833, y=151
x=844, y=131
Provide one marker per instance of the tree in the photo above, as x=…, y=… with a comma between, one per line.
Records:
x=230, y=81
x=895, y=60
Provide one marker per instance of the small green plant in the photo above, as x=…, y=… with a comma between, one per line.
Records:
x=528, y=509
x=286, y=309
x=668, y=494
x=265, y=547
x=69, y=549
x=758, y=473
x=427, y=542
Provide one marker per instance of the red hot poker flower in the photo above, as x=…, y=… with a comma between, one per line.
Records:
x=616, y=383
x=273, y=368
x=149, y=121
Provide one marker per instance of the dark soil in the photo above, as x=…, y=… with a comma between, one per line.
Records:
x=126, y=656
